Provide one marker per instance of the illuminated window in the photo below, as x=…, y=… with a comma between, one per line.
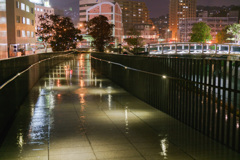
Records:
x=23, y=20
x=23, y=33
x=27, y=8
x=32, y=35
x=28, y=21
x=23, y=6
x=28, y=33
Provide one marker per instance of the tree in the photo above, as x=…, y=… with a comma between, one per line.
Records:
x=223, y=36
x=101, y=31
x=234, y=29
x=201, y=33
x=135, y=40
x=58, y=31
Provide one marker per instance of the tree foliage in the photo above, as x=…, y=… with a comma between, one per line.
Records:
x=101, y=31
x=234, y=29
x=58, y=31
x=201, y=33
x=223, y=36
x=135, y=40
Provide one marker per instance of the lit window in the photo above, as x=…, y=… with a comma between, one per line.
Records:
x=27, y=8
x=28, y=21
x=23, y=20
x=28, y=33
x=23, y=6
x=41, y=10
x=23, y=33
x=32, y=35
x=37, y=9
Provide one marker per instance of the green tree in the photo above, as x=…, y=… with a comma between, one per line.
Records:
x=58, y=31
x=223, y=36
x=135, y=40
x=234, y=29
x=201, y=33
x=101, y=31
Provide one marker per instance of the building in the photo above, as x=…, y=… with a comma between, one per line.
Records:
x=45, y=3
x=3, y=30
x=41, y=10
x=134, y=13
x=84, y=5
x=20, y=26
x=113, y=12
x=178, y=10
x=215, y=23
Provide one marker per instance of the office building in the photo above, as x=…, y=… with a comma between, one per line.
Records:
x=215, y=23
x=178, y=10
x=41, y=10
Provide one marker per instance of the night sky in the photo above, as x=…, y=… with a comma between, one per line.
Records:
x=156, y=7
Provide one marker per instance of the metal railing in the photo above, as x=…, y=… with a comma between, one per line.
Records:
x=202, y=93
x=192, y=48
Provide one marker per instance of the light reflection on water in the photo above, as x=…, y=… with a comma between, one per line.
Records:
x=126, y=120
x=164, y=146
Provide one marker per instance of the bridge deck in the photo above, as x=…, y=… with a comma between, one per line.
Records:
x=74, y=113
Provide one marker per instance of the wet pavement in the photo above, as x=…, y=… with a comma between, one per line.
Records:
x=73, y=113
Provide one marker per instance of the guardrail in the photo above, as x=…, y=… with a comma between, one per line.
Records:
x=14, y=90
x=202, y=93
x=192, y=48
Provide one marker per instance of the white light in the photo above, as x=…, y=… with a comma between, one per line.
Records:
x=164, y=76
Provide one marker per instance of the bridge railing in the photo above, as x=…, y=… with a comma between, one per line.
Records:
x=24, y=72
x=202, y=93
x=192, y=48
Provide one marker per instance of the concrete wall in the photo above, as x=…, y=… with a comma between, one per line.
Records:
x=13, y=94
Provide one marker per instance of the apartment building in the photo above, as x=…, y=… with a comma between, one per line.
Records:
x=215, y=23
x=20, y=25
x=3, y=30
x=41, y=10
x=114, y=14
x=178, y=10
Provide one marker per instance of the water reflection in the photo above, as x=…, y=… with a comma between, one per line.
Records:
x=126, y=120
x=164, y=146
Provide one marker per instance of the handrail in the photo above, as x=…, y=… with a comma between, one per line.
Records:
x=165, y=76
x=20, y=73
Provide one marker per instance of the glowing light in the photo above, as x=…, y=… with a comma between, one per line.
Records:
x=164, y=76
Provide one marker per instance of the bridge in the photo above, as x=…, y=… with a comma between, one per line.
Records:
x=192, y=48
x=109, y=106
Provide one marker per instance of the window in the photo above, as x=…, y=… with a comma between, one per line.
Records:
x=28, y=34
x=27, y=8
x=23, y=20
x=32, y=35
x=32, y=22
x=18, y=19
x=37, y=9
x=17, y=4
x=23, y=6
x=32, y=11
x=41, y=10
x=18, y=33
x=28, y=21
x=23, y=33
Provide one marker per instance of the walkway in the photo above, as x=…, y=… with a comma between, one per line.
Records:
x=75, y=114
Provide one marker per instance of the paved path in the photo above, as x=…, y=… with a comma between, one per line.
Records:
x=75, y=114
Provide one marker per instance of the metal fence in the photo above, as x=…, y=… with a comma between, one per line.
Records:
x=202, y=93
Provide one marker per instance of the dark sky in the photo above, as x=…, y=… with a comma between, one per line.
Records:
x=156, y=7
